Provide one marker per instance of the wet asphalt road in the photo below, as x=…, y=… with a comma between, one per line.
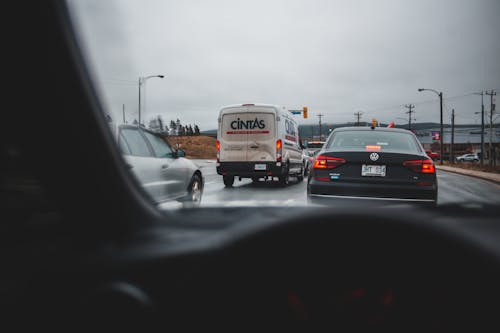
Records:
x=453, y=188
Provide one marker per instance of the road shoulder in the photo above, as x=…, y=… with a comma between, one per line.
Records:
x=493, y=177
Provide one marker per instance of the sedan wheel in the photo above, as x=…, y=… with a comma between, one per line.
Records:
x=195, y=192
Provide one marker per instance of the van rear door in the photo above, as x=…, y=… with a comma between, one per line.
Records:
x=248, y=135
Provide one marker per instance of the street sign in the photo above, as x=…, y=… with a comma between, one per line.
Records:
x=303, y=111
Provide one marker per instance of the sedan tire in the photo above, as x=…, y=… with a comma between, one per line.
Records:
x=195, y=191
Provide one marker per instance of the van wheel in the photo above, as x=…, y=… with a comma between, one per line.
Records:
x=228, y=180
x=285, y=179
x=255, y=179
x=300, y=176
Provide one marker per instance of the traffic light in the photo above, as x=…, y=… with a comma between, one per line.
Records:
x=304, y=111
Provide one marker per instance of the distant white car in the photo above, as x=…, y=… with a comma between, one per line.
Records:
x=310, y=160
x=468, y=158
x=312, y=146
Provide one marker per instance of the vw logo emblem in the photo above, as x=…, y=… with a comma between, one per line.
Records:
x=373, y=156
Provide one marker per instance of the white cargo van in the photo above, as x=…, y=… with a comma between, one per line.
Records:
x=258, y=141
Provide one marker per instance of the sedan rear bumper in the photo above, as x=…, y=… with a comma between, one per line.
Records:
x=401, y=192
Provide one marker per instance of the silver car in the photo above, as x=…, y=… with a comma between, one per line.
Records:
x=468, y=158
x=161, y=170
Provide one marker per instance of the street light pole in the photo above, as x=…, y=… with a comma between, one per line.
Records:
x=141, y=81
x=440, y=94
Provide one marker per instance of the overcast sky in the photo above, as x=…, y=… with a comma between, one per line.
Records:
x=336, y=57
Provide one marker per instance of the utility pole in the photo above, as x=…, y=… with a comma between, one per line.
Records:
x=319, y=116
x=452, y=159
x=409, y=114
x=481, y=159
x=139, y=109
x=492, y=110
x=358, y=116
x=123, y=111
x=441, y=134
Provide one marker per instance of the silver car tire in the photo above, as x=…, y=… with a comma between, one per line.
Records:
x=195, y=191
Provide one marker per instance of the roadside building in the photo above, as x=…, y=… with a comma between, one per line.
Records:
x=466, y=140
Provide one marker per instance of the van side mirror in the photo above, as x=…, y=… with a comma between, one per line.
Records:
x=180, y=153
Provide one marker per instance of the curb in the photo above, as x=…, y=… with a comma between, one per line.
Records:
x=492, y=177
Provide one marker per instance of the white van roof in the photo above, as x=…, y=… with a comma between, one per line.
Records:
x=253, y=104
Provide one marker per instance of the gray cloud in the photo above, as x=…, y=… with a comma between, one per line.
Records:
x=337, y=57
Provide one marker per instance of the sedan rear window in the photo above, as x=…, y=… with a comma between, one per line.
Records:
x=373, y=141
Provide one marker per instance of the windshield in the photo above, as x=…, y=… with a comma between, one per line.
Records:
x=218, y=103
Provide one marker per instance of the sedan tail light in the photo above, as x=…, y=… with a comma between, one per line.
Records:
x=420, y=166
x=327, y=162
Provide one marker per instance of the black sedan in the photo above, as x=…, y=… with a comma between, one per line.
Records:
x=373, y=163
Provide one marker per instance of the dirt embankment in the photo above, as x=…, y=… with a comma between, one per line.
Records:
x=200, y=146
x=473, y=166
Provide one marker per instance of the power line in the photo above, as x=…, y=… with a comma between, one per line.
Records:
x=118, y=83
x=121, y=80
x=399, y=106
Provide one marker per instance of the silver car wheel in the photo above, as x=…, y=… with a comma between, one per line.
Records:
x=196, y=190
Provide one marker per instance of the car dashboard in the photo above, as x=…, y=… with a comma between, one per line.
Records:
x=299, y=270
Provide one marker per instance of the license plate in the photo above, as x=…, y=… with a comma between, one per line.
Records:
x=260, y=167
x=373, y=170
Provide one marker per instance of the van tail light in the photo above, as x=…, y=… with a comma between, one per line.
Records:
x=327, y=162
x=217, y=145
x=279, y=150
x=420, y=166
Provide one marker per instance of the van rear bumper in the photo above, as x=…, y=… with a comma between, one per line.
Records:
x=248, y=169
